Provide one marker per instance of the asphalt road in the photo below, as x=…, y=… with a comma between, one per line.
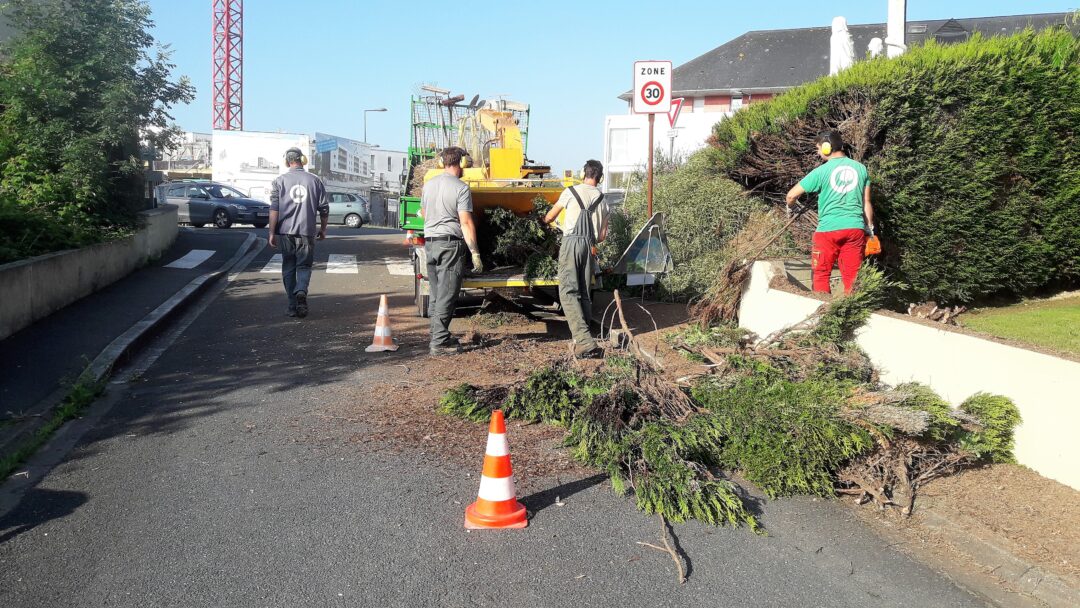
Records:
x=209, y=482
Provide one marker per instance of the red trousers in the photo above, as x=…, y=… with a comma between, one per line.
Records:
x=845, y=246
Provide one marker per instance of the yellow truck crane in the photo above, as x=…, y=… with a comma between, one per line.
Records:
x=495, y=133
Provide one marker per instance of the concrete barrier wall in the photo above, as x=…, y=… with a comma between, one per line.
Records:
x=1045, y=388
x=37, y=287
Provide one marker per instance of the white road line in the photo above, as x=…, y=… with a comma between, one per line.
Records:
x=342, y=264
x=398, y=268
x=192, y=259
x=274, y=265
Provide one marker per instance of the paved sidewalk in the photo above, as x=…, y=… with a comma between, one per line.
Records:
x=41, y=358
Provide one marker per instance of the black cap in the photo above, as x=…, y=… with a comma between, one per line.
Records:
x=293, y=155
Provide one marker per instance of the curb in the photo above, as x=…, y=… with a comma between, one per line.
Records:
x=121, y=348
x=999, y=562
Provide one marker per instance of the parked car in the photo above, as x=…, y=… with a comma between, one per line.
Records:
x=204, y=202
x=349, y=209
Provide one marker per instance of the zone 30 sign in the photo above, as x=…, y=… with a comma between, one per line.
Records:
x=652, y=87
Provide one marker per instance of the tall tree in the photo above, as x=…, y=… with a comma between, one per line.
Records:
x=82, y=82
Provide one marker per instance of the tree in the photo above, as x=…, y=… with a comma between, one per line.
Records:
x=81, y=83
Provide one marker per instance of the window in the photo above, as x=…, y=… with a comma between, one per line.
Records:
x=736, y=103
x=176, y=191
x=195, y=192
x=388, y=161
x=699, y=104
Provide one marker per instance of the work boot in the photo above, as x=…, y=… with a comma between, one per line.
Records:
x=450, y=348
x=590, y=350
x=301, y=304
x=291, y=312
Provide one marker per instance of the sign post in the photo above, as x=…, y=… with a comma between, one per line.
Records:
x=652, y=96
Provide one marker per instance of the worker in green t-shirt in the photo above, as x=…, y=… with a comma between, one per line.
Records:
x=845, y=214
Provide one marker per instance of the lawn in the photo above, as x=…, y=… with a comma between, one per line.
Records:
x=1053, y=324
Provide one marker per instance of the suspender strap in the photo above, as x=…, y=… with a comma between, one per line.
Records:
x=587, y=212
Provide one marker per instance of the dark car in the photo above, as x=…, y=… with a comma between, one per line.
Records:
x=200, y=203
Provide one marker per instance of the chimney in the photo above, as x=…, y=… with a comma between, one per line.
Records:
x=895, y=38
x=841, y=48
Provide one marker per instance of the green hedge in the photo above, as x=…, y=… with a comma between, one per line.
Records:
x=704, y=212
x=973, y=151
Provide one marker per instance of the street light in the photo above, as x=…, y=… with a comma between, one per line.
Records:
x=365, y=120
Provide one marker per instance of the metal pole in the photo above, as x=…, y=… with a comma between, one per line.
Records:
x=652, y=122
x=365, y=126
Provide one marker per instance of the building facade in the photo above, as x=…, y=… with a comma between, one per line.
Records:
x=759, y=65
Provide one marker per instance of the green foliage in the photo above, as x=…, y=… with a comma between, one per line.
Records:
x=703, y=211
x=944, y=425
x=461, y=401
x=998, y=416
x=81, y=83
x=845, y=315
x=548, y=395
x=507, y=239
x=81, y=393
x=972, y=149
x=784, y=436
x=696, y=335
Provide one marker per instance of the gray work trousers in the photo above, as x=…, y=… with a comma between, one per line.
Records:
x=575, y=278
x=297, y=255
x=445, y=270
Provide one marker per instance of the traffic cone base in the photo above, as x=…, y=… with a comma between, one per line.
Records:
x=384, y=340
x=496, y=506
x=516, y=517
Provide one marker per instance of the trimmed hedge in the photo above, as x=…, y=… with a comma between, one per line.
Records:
x=704, y=213
x=973, y=151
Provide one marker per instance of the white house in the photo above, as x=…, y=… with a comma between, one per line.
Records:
x=757, y=66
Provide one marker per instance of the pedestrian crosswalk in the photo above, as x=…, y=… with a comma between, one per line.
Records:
x=192, y=259
x=342, y=264
x=338, y=263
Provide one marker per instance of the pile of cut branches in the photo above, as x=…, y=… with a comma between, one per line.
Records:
x=799, y=412
x=520, y=241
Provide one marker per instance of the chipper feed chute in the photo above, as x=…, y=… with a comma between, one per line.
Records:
x=648, y=254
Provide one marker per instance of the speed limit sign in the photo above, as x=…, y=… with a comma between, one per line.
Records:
x=652, y=87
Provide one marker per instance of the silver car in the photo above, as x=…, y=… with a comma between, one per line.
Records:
x=203, y=202
x=349, y=209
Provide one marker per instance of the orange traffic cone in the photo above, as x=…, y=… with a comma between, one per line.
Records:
x=383, y=336
x=495, y=506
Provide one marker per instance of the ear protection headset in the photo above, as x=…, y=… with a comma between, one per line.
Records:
x=466, y=161
x=303, y=157
x=826, y=148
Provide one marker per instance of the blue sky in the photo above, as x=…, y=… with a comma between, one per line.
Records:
x=314, y=65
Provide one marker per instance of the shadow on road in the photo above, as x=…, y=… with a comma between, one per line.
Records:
x=539, y=501
x=39, y=506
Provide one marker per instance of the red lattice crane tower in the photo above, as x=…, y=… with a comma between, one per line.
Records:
x=228, y=65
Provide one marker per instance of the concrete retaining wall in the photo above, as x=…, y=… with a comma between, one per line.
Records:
x=37, y=287
x=1045, y=388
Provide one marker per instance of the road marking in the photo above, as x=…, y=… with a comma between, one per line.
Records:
x=398, y=268
x=273, y=265
x=342, y=264
x=192, y=259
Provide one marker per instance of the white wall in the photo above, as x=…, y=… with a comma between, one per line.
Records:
x=251, y=160
x=1045, y=388
x=626, y=138
x=388, y=178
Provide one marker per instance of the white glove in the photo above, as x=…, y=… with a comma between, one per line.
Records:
x=477, y=264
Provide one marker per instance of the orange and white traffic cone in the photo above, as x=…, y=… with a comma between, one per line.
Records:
x=495, y=506
x=384, y=339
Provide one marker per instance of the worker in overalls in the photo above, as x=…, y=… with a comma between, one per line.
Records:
x=584, y=223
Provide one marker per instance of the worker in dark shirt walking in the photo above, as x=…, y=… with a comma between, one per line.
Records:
x=296, y=197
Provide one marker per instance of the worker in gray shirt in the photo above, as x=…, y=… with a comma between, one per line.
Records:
x=449, y=231
x=295, y=198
